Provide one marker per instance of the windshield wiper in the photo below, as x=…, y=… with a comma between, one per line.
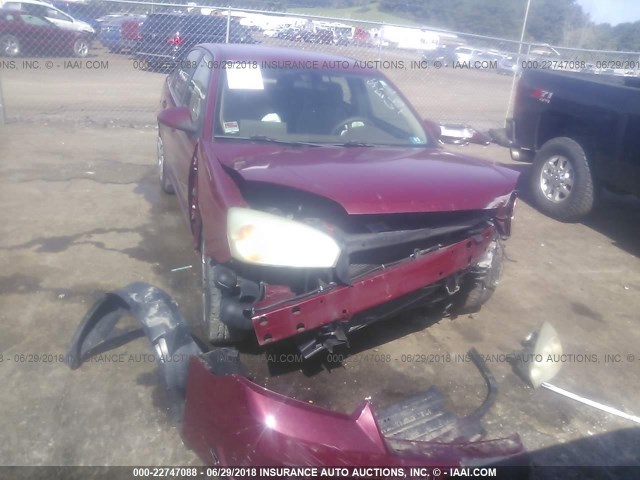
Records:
x=264, y=138
x=353, y=143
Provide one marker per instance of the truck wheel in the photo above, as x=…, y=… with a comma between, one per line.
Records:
x=165, y=183
x=218, y=332
x=480, y=283
x=561, y=180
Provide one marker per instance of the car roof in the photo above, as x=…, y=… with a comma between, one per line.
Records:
x=260, y=53
x=32, y=2
x=10, y=10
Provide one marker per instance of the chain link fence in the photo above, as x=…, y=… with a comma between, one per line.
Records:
x=104, y=61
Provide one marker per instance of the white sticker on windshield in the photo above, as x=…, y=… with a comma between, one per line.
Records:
x=244, y=77
x=231, y=127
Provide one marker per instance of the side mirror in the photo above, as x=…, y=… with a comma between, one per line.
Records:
x=178, y=118
x=433, y=128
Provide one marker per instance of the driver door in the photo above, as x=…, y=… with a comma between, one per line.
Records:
x=184, y=144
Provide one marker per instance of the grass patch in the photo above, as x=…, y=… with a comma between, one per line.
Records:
x=369, y=13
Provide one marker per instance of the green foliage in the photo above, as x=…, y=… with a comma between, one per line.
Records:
x=558, y=22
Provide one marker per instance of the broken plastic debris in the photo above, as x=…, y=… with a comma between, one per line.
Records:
x=181, y=268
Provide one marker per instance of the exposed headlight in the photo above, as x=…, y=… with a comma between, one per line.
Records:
x=265, y=239
x=540, y=360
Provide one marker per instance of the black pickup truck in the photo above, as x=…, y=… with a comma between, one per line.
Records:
x=582, y=132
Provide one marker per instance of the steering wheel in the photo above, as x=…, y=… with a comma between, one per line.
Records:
x=345, y=125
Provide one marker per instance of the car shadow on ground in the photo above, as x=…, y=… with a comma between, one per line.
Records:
x=616, y=216
x=611, y=455
x=374, y=335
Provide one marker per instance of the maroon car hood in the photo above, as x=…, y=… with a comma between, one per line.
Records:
x=375, y=180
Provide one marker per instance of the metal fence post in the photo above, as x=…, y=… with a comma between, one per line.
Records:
x=228, y=23
x=518, y=64
x=380, y=41
x=2, y=117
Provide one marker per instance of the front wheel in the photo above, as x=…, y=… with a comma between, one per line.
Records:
x=9, y=46
x=218, y=333
x=81, y=48
x=561, y=181
x=478, y=285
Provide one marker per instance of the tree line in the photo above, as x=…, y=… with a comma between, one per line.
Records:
x=557, y=22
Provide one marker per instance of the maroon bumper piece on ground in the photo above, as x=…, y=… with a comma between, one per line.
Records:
x=230, y=421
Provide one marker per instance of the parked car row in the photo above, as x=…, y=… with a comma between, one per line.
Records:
x=36, y=27
x=324, y=36
x=475, y=58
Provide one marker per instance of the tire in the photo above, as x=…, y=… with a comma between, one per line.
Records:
x=9, y=46
x=165, y=183
x=561, y=181
x=218, y=333
x=81, y=48
x=479, y=284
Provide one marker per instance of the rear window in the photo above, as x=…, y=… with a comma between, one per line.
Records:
x=163, y=23
x=204, y=25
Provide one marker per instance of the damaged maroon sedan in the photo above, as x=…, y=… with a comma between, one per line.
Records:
x=319, y=201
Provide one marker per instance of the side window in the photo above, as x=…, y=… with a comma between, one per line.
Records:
x=35, y=21
x=58, y=15
x=197, y=89
x=33, y=9
x=181, y=76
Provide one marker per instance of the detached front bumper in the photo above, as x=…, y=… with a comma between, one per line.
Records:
x=230, y=421
x=278, y=317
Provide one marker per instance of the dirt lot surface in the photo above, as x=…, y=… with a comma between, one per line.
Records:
x=82, y=213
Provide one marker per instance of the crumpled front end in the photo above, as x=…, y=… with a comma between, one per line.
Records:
x=387, y=263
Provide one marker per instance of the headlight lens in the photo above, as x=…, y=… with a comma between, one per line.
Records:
x=265, y=239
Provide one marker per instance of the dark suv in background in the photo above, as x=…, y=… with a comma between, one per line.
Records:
x=166, y=37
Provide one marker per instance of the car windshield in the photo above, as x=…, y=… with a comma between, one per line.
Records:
x=314, y=106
